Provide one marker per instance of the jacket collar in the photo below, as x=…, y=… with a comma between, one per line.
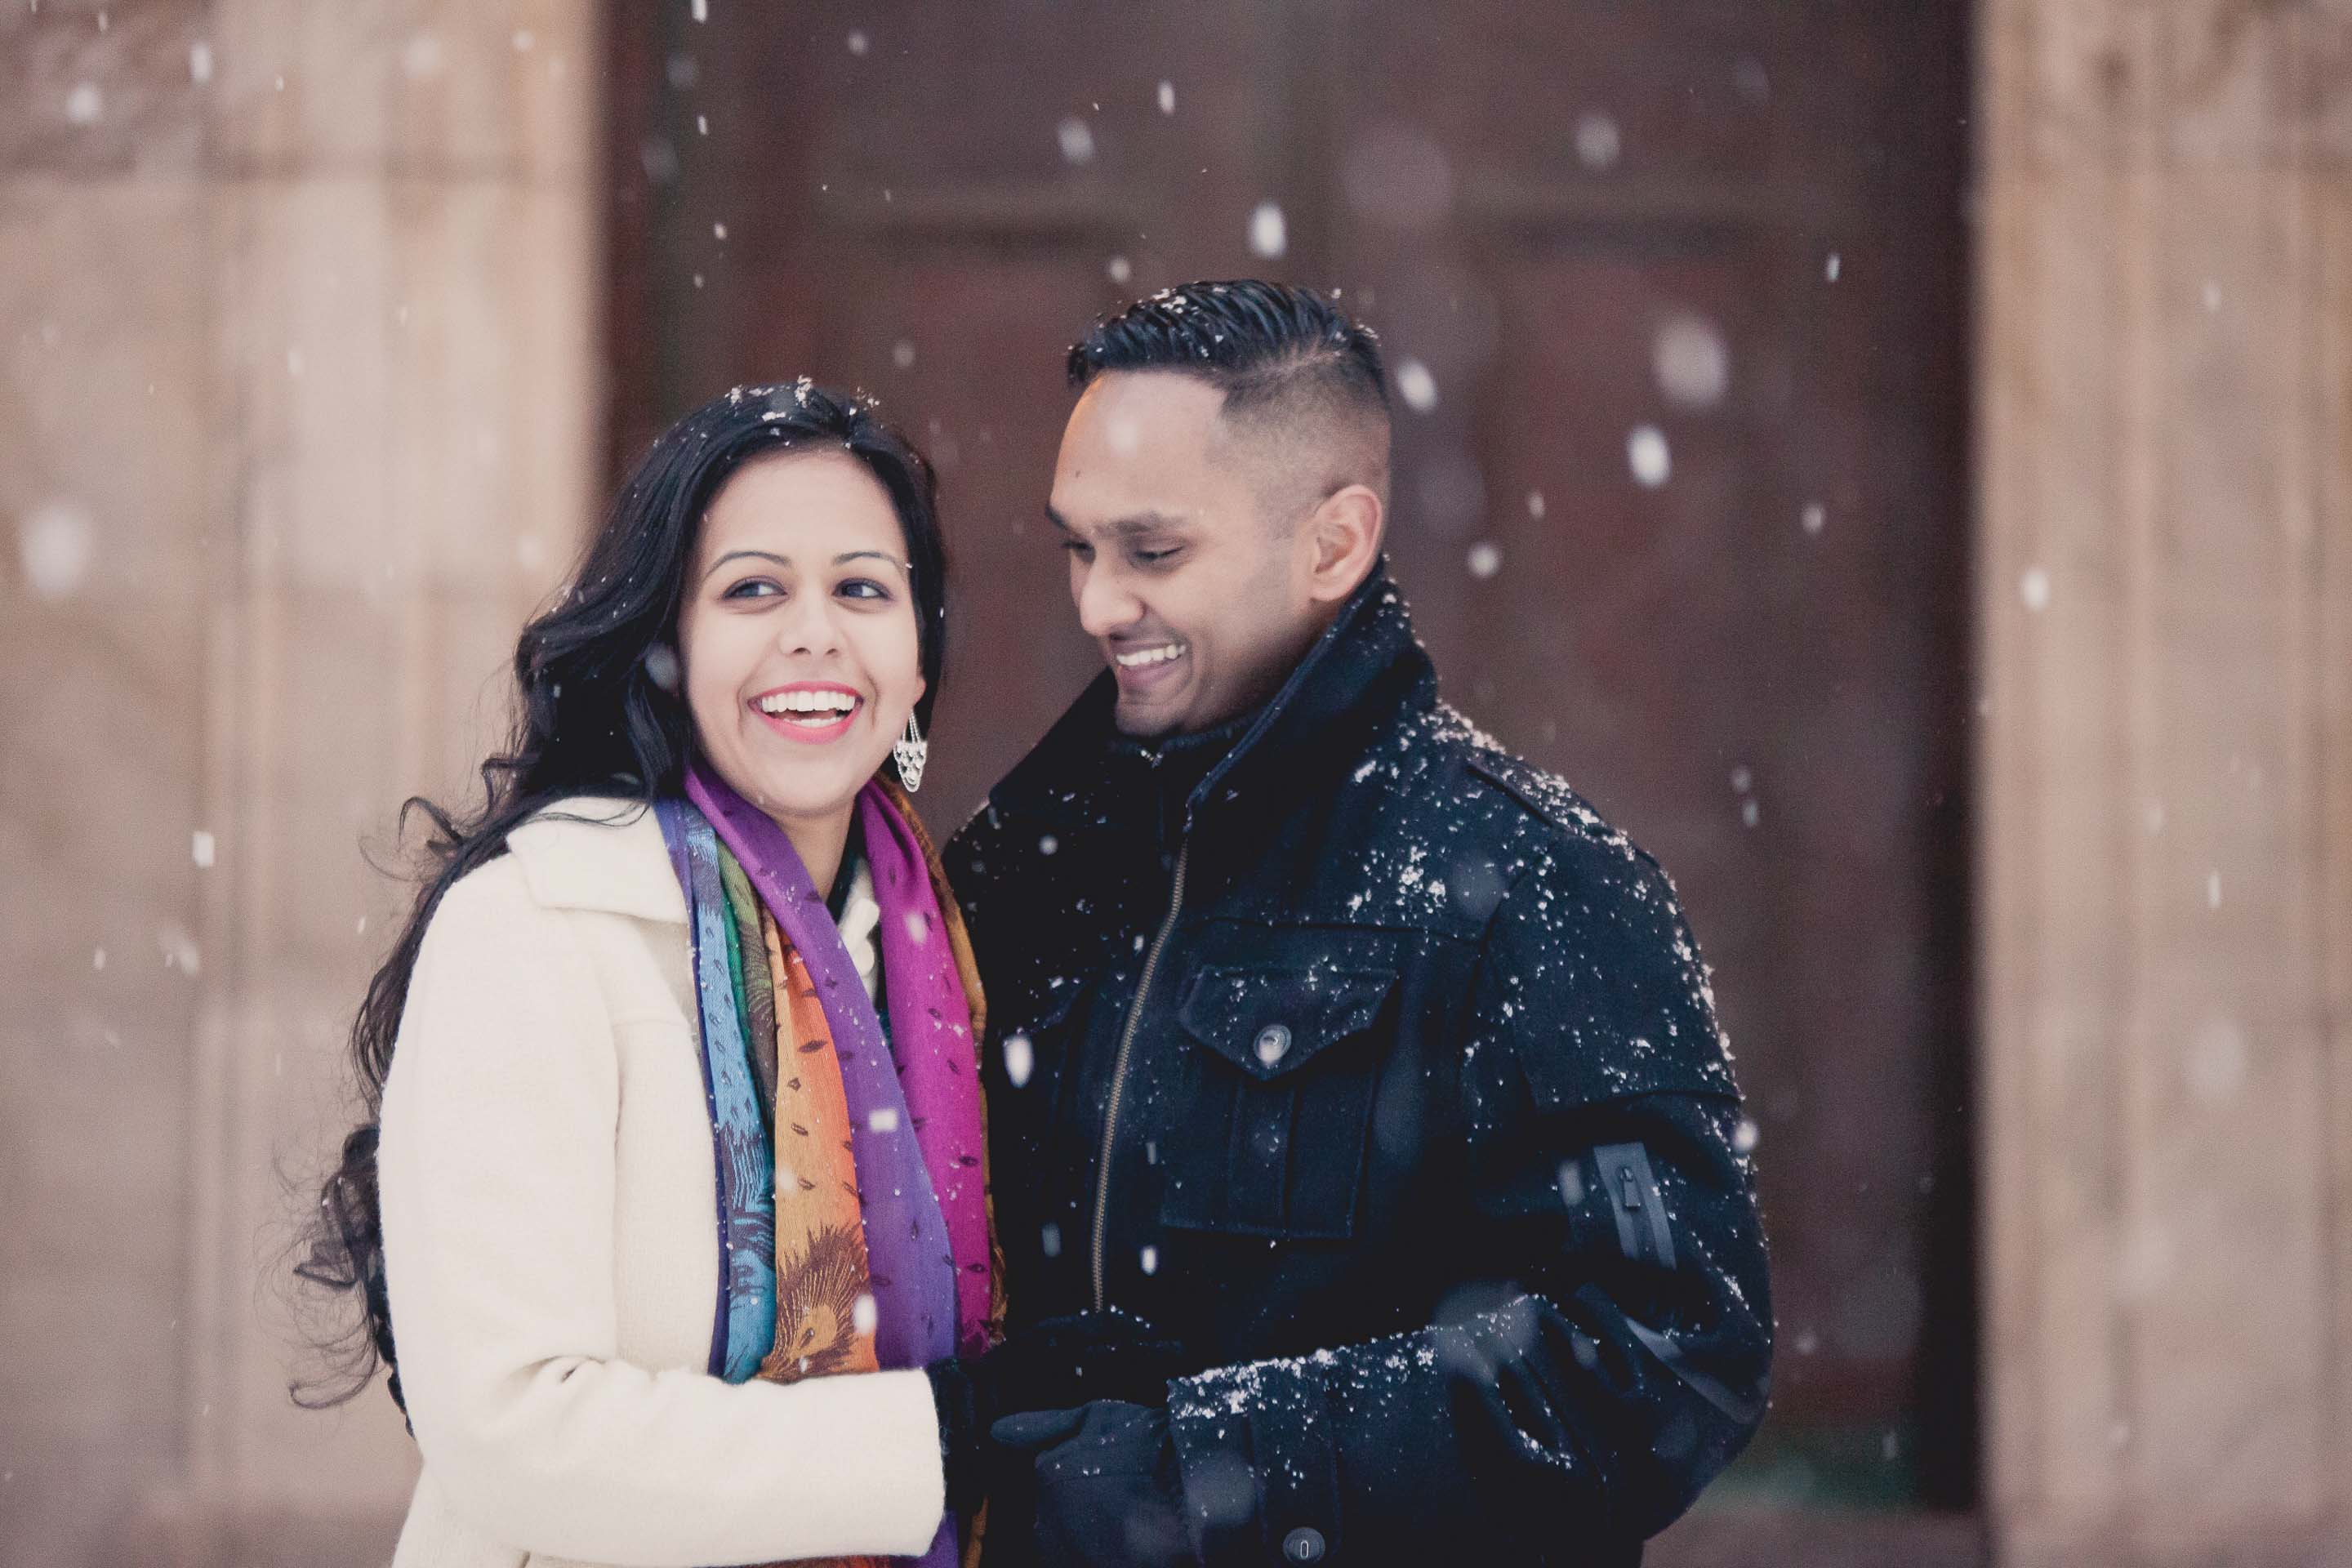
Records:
x=599, y=852
x=1366, y=667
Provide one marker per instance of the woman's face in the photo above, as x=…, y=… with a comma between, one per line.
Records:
x=797, y=639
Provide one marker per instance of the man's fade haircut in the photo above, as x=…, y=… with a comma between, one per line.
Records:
x=1260, y=342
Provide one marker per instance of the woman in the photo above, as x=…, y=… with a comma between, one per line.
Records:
x=678, y=1112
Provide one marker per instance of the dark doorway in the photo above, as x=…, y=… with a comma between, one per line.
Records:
x=1676, y=294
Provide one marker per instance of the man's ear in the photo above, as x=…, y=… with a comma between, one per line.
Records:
x=1346, y=535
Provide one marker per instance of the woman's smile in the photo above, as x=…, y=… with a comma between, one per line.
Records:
x=813, y=712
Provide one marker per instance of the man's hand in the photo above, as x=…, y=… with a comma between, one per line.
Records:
x=1061, y=1362
x=1108, y=1492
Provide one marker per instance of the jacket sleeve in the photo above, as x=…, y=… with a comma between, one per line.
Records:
x=498, y=1176
x=1614, y=1359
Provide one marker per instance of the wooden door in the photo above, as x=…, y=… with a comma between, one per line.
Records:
x=1675, y=292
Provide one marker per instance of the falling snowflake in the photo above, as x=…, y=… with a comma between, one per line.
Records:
x=1268, y=236
x=1646, y=453
x=201, y=848
x=1833, y=267
x=1691, y=362
x=1020, y=1059
x=1743, y=1137
x=1118, y=270
x=1077, y=141
x=863, y=1315
x=2034, y=588
x=882, y=1119
x=1151, y=1260
x=1416, y=386
x=902, y=354
x=859, y=43
x=56, y=542
x=1167, y=97
x=200, y=63
x=1485, y=560
x=1535, y=503
x=1597, y=141
x=1816, y=516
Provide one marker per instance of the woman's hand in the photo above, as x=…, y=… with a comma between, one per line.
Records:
x=1056, y=1364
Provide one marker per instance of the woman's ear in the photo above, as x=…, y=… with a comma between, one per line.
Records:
x=1346, y=533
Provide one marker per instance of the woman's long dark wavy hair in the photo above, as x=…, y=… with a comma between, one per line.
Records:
x=601, y=713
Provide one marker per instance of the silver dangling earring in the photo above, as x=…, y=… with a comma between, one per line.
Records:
x=910, y=751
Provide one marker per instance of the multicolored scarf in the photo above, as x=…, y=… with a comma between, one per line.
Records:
x=853, y=1217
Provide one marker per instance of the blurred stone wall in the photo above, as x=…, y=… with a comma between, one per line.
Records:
x=2164, y=910
x=299, y=414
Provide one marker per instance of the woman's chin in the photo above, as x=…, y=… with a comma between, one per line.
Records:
x=809, y=789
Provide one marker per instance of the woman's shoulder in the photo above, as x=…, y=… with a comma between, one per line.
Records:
x=596, y=852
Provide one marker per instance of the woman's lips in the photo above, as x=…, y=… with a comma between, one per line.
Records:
x=814, y=728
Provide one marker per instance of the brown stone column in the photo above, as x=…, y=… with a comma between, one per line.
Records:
x=2165, y=604
x=299, y=417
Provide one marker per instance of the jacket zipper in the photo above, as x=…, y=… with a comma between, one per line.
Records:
x=1119, y=1066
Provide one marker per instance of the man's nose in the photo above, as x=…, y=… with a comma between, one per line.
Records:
x=1104, y=606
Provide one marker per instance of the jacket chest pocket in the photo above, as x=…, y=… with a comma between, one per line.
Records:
x=1268, y=1134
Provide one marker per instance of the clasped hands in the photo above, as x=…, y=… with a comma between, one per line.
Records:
x=1063, y=1429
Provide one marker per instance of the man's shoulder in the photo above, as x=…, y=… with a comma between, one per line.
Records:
x=1453, y=765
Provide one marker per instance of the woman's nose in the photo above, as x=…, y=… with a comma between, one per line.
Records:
x=809, y=627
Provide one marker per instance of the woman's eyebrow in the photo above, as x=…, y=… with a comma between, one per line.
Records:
x=847, y=555
x=754, y=555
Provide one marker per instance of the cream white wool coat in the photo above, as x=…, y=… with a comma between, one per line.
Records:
x=551, y=1246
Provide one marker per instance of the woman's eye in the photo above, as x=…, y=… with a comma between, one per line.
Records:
x=752, y=588
x=863, y=588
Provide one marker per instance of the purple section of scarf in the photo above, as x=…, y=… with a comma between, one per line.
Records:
x=909, y=1243
x=939, y=1062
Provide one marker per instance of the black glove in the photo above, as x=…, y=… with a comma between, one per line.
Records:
x=1106, y=1489
x=1060, y=1362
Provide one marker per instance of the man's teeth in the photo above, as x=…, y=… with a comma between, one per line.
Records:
x=1160, y=655
x=826, y=705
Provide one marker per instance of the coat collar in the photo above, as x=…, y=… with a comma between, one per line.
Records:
x=599, y=852
x=1366, y=667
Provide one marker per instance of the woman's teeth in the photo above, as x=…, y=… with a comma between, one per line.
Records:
x=815, y=709
x=1160, y=654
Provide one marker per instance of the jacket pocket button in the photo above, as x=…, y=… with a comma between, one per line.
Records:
x=1304, y=1544
x=1273, y=1043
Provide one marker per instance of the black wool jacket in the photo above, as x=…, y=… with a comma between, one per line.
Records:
x=1383, y=1075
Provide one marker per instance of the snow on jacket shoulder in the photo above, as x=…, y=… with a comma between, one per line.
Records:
x=552, y=1257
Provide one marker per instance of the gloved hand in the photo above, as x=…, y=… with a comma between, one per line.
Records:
x=1058, y=1362
x=1105, y=1486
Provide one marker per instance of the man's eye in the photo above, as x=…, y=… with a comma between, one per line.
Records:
x=1156, y=557
x=1079, y=548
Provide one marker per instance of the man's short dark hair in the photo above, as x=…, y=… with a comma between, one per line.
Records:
x=1264, y=343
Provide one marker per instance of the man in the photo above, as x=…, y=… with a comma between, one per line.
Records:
x=1355, y=1055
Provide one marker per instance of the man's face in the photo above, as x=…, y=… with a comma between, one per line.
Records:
x=1196, y=595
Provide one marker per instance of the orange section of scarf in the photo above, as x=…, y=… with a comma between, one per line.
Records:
x=821, y=1270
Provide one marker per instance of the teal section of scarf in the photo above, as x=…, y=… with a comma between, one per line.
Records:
x=747, y=1172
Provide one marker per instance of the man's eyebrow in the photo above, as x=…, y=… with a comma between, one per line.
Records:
x=1141, y=523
